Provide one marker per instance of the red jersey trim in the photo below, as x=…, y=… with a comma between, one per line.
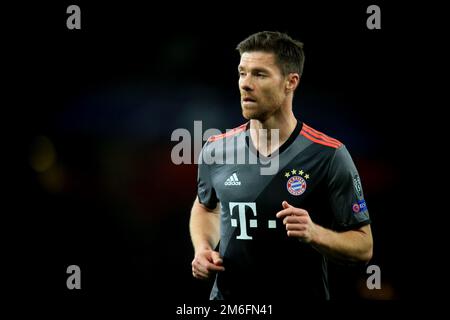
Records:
x=319, y=137
x=229, y=133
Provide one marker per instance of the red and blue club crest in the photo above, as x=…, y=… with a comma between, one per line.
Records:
x=296, y=185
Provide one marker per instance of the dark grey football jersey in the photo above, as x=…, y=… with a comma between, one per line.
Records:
x=315, y=172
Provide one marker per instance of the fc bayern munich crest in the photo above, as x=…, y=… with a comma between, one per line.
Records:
x=296, y=185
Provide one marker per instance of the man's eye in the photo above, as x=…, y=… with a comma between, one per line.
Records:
x=260, y=75
x=241, y=74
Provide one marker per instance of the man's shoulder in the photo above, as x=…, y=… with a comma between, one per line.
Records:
x=319, y=138
x=228, y=134
x=218, y=148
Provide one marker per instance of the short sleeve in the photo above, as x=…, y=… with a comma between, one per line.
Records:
x=346, y=195
x=205, y=190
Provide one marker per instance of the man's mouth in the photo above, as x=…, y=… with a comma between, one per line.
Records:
x=248, y=99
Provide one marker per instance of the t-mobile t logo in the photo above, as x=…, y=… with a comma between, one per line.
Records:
x=242, y=221
x=253, y=223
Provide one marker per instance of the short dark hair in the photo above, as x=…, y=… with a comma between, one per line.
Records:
x=288, y=52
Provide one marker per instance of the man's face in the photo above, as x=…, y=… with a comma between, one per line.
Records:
x=261, y=84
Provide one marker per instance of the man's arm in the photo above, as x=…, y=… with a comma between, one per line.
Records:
x=348, y=246
x=204, y=227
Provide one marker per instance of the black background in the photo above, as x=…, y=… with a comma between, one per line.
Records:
x=108, y=97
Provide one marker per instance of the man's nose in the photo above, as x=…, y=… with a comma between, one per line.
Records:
x=245, y=84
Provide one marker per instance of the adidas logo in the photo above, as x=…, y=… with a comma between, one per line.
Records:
x=232, y=181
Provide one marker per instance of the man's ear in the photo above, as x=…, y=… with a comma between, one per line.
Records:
x=292, y=81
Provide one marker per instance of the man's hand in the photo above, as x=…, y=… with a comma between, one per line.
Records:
x=206, y=263
x=298, y=223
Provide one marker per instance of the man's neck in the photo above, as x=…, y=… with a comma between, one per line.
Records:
x=263, y=140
